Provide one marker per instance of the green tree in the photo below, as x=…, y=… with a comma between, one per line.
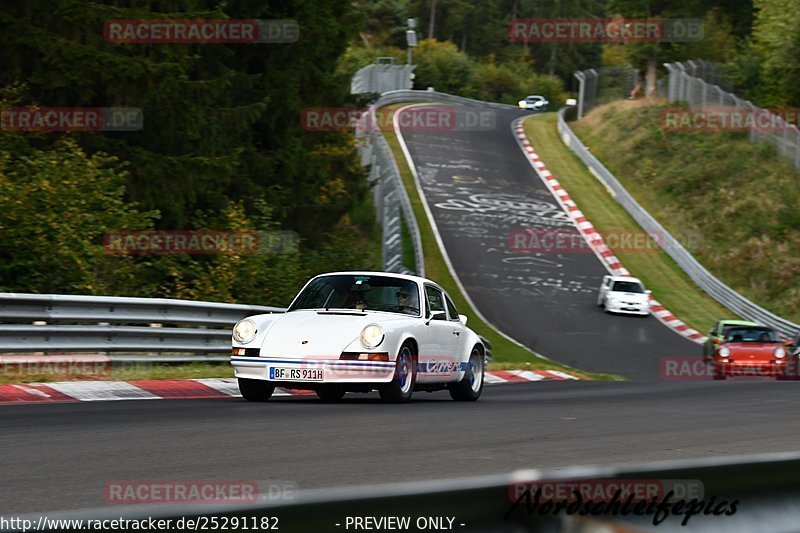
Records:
x=440, y=65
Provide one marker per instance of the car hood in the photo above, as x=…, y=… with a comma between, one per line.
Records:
x=630, y=296
x=323, y=334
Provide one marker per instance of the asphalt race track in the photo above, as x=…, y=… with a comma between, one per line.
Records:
x=480, y=187
x=60, y=456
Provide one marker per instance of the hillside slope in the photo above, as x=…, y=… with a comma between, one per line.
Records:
x=738, y=201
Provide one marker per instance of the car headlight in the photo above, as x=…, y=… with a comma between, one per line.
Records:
x=244, y=331
x=780, y=352
x=522, y=103
x=371, y=336
x=724, y=351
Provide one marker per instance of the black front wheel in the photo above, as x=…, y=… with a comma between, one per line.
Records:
x=471, y=385
x=330, y=393
x=256, y=390
x=400, y=389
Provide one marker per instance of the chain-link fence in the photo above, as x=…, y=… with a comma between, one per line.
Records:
x=598, y=86
x=697, y=83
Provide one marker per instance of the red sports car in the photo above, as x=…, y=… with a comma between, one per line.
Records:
x=752, y=351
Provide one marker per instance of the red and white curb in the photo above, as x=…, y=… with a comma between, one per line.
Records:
x=593, y=238
x=160, y=389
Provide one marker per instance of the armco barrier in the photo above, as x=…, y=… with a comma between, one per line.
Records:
x=55, y=322
x=61, y=323
x=702, y=277
x=391, y=198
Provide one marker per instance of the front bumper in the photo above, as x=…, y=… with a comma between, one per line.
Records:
x=773, y=368
x=629, y=308
x=333, y=370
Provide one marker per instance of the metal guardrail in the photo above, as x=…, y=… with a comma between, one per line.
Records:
x=77, y=308
x=55, y=322
x=391, y=199
x=766, y=489
x=392, y=203
x=699, y=274
x=400, y=96
x=380, y=78
x=60, y=323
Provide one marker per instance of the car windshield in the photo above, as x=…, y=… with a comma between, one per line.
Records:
x=628, y=286
x=373, y=293
x=727, y=329
x=751, y=334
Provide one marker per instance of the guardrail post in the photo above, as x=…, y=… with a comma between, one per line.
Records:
x=581, y=92
x=797, y=148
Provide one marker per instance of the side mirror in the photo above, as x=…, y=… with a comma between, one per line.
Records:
x=436, y=315
x=463, y=319
x=648, y=291
x=789, y=344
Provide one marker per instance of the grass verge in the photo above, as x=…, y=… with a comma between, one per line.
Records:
x=127, y=372
x=670, y=285
x=737, y=198
x=506, y=354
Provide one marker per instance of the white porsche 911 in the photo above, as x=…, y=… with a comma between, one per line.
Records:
x=357, y=332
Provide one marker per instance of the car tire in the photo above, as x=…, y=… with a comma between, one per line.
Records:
x=401, y=388
x=256, y=390
x=330, y=393
x=471, y=385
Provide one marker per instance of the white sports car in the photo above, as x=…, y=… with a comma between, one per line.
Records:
x=360, y=331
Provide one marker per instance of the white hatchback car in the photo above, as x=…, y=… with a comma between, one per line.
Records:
x=534, y=102
x=623, y=294
x=357, y=332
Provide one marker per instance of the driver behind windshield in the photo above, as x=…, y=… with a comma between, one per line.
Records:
x=749, y=334
x=408, y=300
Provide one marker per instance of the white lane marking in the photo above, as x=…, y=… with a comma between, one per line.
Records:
x=491, y=378
x=561, y=374
x=528, y=374
x=227, y=386
x=230, y=386
x=36, y=392
x=98, y=391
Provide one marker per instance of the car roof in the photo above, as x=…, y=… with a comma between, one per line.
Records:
x=409, y=277
x=737, y=322
x=752, y=326
x=626, y=278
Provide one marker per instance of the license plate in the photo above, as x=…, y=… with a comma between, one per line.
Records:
x=285, y=373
